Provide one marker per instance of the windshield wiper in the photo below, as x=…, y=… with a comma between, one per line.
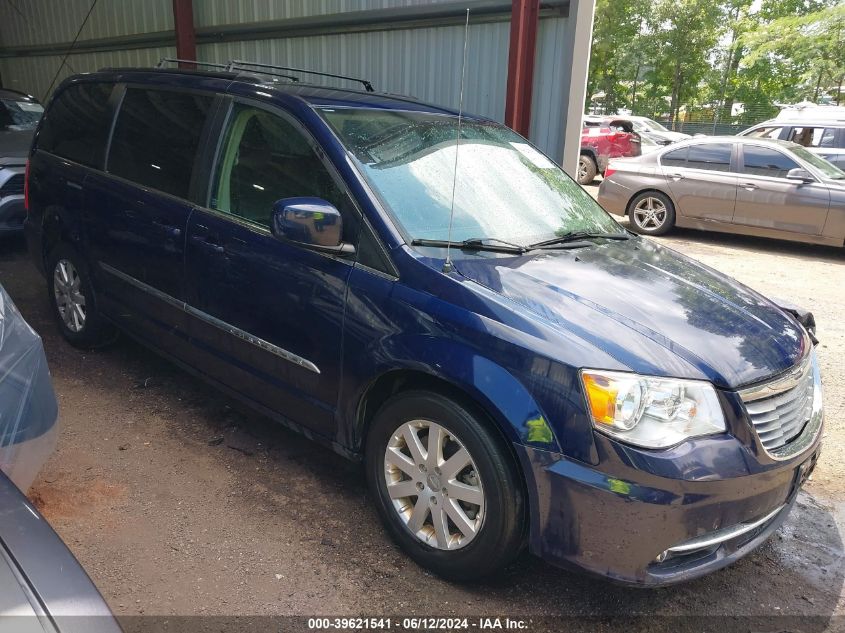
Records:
x=476, y=244
x=576, y=236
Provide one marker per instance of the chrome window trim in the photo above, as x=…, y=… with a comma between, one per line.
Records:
x=212, y=320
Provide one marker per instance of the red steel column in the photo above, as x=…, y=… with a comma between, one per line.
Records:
x=183, y=21
x=525, y=18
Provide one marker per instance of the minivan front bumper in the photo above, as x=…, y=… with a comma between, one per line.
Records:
x=626, y=521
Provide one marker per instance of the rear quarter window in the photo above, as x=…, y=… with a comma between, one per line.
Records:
x=675, y=158
x=76, y=124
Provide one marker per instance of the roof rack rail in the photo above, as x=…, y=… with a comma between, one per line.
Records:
x=244, y=65
x=174, y=60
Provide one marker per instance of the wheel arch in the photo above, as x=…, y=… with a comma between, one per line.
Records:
x=650, y=190
x=396, y=381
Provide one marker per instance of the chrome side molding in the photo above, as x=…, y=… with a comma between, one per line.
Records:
x=212, y=320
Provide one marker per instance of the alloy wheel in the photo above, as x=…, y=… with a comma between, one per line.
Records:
x=650, y=213
x=70, y=302
x=582, y=169
x=434, y=485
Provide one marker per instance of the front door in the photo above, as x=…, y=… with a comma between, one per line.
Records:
x=767, y=199
x=268, y=314
x=138, y=211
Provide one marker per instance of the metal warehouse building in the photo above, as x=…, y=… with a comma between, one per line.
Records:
x=526, y=65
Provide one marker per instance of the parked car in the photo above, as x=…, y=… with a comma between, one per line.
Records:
x=821, y=129
x=40, y=580
x=44, y=588
x=651, y=129
x=19, y=114
x=602, y=141
x=28, y=409
x=750, y=186
x=514, y=367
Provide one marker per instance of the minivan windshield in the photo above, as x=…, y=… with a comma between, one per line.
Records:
x=505, y=189
x=19, y=115
x=827, y=169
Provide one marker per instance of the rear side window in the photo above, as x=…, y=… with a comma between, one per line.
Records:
x=156, y=138
x=712, y=156
x=762, y=161
x=675, y=158
x=76, y=125
x=766, y=132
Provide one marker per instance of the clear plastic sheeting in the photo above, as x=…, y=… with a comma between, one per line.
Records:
x=28, y=408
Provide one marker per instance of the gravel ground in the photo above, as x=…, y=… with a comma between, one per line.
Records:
x=179, y=502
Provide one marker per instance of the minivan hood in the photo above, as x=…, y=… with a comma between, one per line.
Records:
x=652, y=309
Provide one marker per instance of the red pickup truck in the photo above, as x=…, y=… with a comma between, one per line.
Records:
x=601, y=140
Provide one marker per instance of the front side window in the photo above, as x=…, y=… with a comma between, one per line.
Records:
x=264, y=159
x=710, y=156
x=763, y=161
x=19, y=114
x=813, y=136
x=77, y=124
x=156, y=138
x=505, y=189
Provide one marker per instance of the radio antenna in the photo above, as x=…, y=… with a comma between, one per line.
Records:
x=447, y=265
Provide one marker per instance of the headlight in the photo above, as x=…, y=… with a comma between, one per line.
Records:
x=651, y=412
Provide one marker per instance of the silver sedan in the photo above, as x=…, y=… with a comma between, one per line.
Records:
x=731, y=184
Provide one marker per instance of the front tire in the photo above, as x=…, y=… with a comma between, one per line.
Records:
x=651, y=213
x=72, y=299
x=587, y=170
x=445, y=486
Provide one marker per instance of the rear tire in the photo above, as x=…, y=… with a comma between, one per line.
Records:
x=587, y=170
x=72, y=298
x=651, y=213
x=461, y=525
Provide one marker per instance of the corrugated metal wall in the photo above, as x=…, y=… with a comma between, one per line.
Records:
x=423, y=62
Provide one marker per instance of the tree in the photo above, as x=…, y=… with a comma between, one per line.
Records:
x=618, y=24
x=810, y=48
x=687, y=32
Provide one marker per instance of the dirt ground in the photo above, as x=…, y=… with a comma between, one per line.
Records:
x=179, y=502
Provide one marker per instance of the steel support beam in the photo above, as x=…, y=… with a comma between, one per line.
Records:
x=186, y=38
x=525, y=19
x=573, y=79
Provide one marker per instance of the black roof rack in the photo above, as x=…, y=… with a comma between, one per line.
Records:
x=174, y=60
x=244, y=65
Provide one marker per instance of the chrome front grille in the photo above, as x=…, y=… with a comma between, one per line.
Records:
x=779, y=410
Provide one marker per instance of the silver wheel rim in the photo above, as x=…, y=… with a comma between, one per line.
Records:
x=70, y=302
x=582, y=169
x=434, y=485
x=650, y=213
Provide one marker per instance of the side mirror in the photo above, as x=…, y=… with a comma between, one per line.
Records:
x=800, y=174
x=310, y=221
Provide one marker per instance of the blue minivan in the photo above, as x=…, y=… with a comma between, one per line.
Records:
x=438, y=300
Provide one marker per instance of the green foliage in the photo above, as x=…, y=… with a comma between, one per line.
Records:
x=678, y=58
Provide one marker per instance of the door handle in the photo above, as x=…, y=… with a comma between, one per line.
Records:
x=172, y=231
x=676, y=176
x=749, y=186
x=203, y=242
